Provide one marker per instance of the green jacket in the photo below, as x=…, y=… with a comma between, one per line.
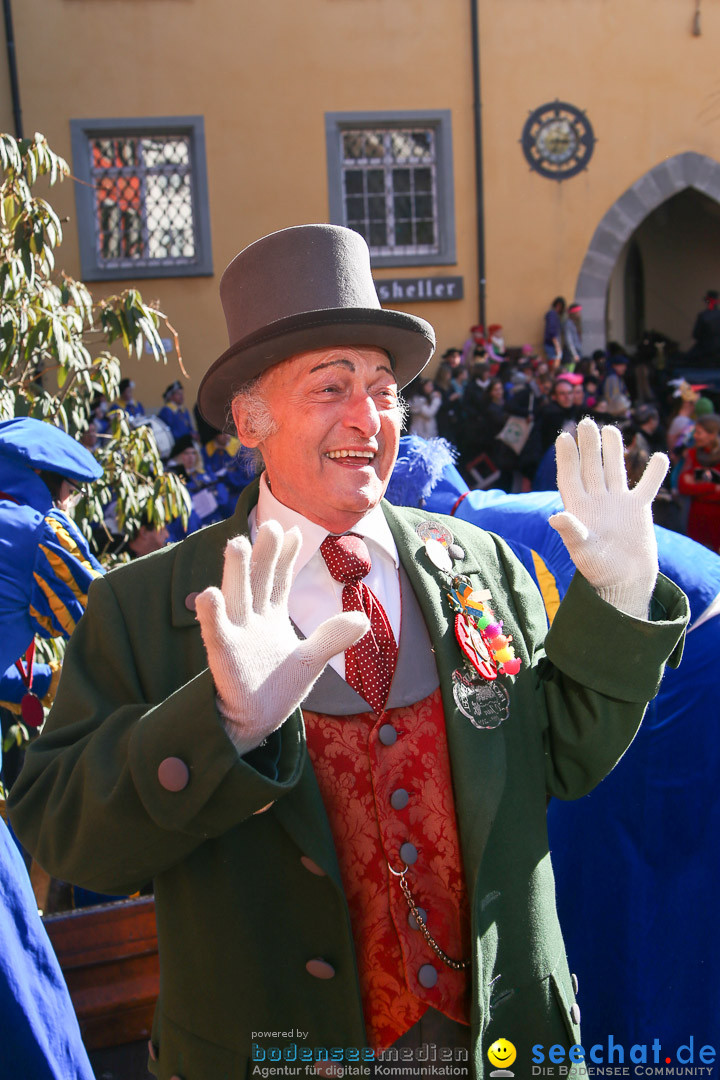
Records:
x=238, y=913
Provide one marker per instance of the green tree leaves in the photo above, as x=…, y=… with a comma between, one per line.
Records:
x=55, y=355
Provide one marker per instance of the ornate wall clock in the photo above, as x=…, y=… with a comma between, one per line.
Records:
x=558, y=140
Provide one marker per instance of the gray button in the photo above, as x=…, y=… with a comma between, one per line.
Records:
x=427, y=976
x=387, y=734
x=312, y=866
x=320, y=969
x=399, y=799
x=412, y=921
x=408, y=853
x=190, y=600
x=575, y=1014
x=575, y=983
x=173, y=774
x=456, y=552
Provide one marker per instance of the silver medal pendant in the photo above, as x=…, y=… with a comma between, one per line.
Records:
x=485, y=702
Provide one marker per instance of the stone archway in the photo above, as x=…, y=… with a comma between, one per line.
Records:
x=689, y=170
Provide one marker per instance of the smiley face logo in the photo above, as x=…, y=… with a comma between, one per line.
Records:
x=502, y=1053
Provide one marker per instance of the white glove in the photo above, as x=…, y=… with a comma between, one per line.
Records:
x=262, y=670
x=607, y=529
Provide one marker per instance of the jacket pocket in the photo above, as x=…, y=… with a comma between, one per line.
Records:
x=182, y=1055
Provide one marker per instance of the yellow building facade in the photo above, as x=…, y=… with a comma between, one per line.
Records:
x=593, y=125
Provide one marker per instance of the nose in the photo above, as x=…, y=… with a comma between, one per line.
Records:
x=361, y=414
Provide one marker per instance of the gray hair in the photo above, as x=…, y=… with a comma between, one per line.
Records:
x=250, y=398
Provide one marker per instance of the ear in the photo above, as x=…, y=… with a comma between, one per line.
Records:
x=243, y=425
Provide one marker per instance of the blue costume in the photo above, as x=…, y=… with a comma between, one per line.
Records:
x=223, y=463
x=45, y=571
x=45, y=563
x=178, y=419
x=635, y=862
x=46, y=566
x=41, y=1038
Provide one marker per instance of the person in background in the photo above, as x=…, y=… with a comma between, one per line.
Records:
x=175, y=414
x=553, y=335
x=573, y=337
x=225, y=461
x=46, y=567
x=706, y=334
x=615, y=393
x=649, y=432
x=700, y=479
x=559, y=414
x=425, y=402
x=125, y=401
x=211, y=499
x=449, y=416
x=682, y=421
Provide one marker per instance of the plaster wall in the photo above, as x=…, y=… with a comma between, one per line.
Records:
x=263, y=77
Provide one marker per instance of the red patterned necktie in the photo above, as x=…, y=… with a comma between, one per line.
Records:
x=370, y=663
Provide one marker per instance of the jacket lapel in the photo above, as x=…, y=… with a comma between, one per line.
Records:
x=199, y=564
x=477, y=757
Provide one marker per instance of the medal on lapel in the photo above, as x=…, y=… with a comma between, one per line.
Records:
x=479, y=634
x=484, y=702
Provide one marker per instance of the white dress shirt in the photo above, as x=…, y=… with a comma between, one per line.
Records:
x=314, y=594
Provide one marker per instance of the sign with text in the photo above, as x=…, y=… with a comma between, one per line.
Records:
x=412, y=290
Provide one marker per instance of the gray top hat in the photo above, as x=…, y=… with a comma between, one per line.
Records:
x=304, y=288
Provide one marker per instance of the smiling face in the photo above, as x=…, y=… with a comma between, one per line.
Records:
x=502, y=1053
x=337, y=429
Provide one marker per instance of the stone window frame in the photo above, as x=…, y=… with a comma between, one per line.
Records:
x=439, y=121
x=192, y=127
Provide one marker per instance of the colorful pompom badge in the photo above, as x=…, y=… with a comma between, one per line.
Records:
x=479, y=634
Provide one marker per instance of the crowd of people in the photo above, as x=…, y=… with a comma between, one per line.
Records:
x=502, y=408
x=208, y=461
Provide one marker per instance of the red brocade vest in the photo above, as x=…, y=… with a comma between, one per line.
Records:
x=364, y=767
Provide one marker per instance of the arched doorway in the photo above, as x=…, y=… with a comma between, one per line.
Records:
x=660, y=234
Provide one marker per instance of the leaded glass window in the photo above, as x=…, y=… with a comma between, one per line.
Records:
x=390, y=189
x=142, y=210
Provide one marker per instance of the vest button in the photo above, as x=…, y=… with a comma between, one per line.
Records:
x=399, y=799
x=412, y=921
x=312, y=866
x=387, y=734
x=575, y=984
x=320, y=969
x=427, y=976
x=408, y=853
x=575, y=1014
x=190, y=600
x=173, y=774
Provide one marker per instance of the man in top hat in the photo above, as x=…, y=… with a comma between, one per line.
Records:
x=706, y=333
x=328, y=728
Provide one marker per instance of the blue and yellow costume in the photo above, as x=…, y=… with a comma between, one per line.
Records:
x=45, y=563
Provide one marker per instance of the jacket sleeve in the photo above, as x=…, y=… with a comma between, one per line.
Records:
x=592, y=674
x=90, y=804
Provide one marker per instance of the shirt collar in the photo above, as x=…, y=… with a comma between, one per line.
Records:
x=372, y=527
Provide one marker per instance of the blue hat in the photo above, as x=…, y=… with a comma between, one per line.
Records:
x=37, y=444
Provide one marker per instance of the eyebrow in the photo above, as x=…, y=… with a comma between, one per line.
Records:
x=343, y=362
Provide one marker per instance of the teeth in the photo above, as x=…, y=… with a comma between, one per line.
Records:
x=351, y=453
